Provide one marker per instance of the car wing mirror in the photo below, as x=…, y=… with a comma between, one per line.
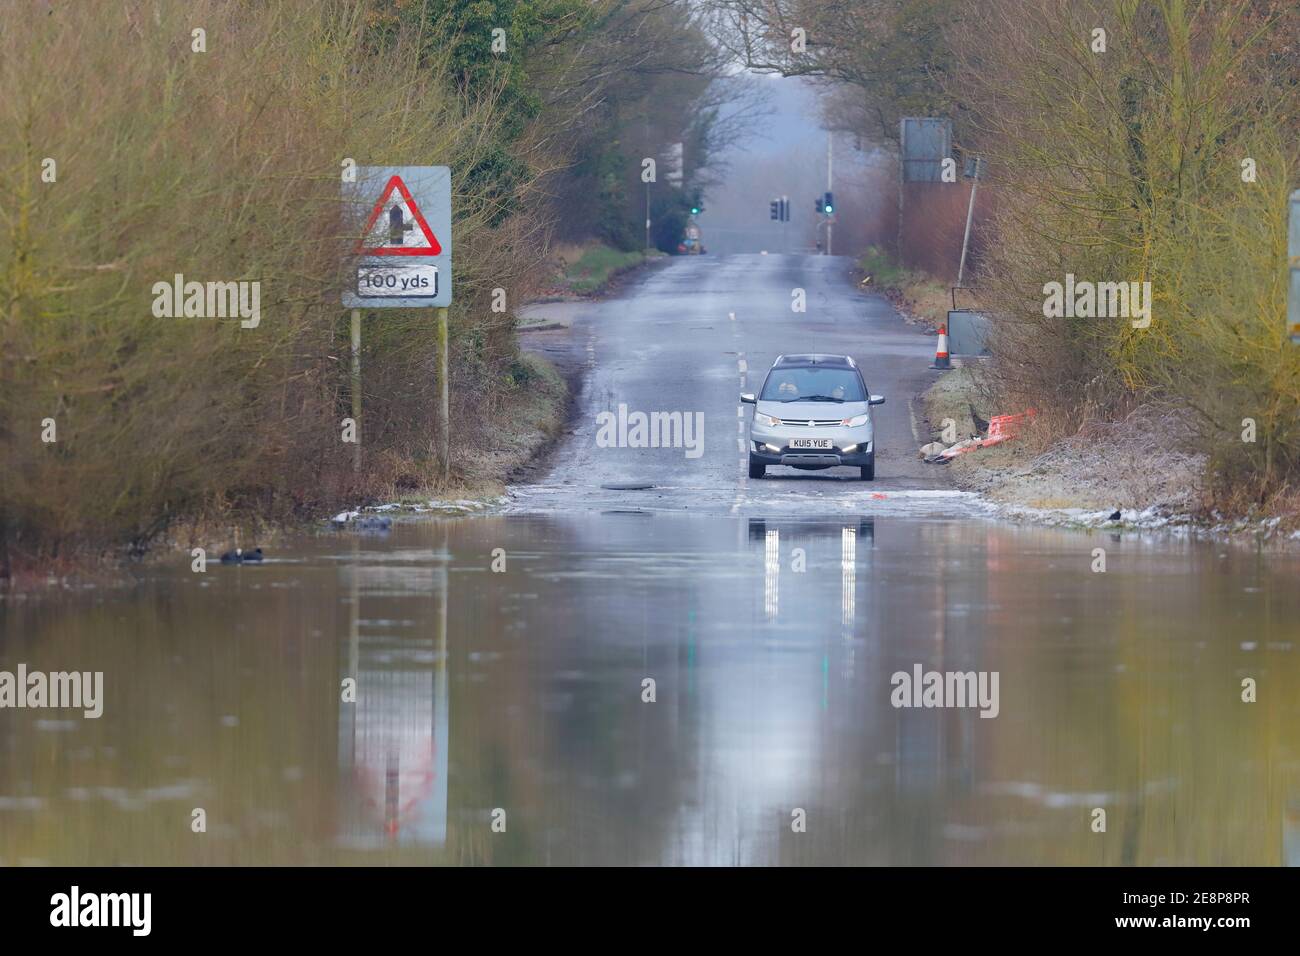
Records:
x=877, y=399
x=748, y=398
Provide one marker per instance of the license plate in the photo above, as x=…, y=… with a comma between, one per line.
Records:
x=821, y=444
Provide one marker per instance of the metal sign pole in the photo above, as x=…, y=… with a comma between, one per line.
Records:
x=444, y=411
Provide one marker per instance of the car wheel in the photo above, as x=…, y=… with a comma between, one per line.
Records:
x=757, y=469
x=869, y=471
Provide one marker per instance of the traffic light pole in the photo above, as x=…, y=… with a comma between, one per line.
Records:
x=779, y=210
x=830, y=154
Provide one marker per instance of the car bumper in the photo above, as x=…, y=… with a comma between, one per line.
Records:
x=811, y=458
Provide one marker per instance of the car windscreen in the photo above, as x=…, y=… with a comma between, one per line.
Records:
x=817, y=383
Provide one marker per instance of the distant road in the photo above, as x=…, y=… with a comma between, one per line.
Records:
x=667, y=343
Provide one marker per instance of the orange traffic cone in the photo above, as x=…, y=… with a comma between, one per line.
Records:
x=941, y=360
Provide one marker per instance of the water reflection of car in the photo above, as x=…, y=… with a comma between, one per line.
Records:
x=813, y=412
x=814, y=528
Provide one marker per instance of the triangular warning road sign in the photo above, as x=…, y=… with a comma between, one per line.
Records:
x=402, y=216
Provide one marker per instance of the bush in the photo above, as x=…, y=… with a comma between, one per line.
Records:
x=219, y=165
x=1127, y=166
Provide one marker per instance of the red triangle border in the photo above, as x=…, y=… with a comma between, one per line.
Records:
x=435, y=247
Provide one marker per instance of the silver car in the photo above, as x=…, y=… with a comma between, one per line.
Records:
x=814, y=411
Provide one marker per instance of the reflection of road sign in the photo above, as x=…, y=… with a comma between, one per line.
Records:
x=401, y=216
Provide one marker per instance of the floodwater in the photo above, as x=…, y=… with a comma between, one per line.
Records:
x=500, y=717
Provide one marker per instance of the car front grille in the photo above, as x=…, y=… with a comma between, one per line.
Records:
x=815, y=422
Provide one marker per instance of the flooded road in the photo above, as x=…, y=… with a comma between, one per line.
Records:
x=508, y=716
x=500, y=717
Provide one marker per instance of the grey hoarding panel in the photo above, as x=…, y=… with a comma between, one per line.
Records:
x=967, y=333
x=924, y=142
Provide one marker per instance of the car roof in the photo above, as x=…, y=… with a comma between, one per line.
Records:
x=815, y=358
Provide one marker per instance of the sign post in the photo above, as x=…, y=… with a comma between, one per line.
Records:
x=356, y=388
x=402, y=216
x=444, y=409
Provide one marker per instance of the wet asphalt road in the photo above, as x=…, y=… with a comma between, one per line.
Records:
x=694, y=334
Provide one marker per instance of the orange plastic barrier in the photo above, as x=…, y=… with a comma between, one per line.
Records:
x=1004, y=427
x=1001, y=428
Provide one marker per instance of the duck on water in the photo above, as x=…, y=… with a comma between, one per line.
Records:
x=240, y=556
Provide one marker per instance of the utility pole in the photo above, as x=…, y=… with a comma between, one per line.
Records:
x=645, y=125
x=902, y=178
x=830, y=188
x=970, y=212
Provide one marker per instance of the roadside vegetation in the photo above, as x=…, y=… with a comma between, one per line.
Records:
x=1166, y=159
x=135, y=150
x=594, y=266
x=919, y=295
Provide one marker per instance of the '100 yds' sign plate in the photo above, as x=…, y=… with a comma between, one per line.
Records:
x=402, y=282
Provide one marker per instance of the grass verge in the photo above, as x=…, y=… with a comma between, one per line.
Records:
x=919, y=296
x=1133, y=464
x=587, y=270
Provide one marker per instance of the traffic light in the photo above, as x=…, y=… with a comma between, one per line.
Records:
x=828, y=204
x=774, y=208
x=697, y=206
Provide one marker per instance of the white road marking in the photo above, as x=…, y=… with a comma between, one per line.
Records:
x=916, y=431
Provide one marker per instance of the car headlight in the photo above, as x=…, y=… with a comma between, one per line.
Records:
x=767, y=420
x=856, y=420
